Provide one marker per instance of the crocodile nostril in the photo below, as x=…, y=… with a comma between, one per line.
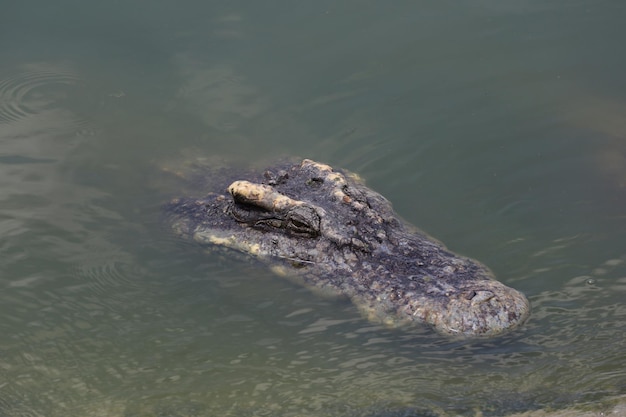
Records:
x=480, y=296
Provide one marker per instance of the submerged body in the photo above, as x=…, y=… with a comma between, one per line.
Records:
x=332, y=233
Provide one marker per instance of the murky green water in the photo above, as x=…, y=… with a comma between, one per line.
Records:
x=498, y=128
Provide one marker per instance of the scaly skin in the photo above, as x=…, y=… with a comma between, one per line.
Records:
x=337, y=236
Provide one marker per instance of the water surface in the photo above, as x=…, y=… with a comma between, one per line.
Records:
x=498, y=128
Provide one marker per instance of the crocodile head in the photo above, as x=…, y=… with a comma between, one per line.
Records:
x=335, y=235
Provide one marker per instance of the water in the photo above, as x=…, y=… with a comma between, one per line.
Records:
x=498, y=128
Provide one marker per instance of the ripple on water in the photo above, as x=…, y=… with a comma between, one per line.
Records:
x=38, y=89
x=109, y=275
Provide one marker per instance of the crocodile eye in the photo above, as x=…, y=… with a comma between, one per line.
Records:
x=298, y=225
x=303, y=220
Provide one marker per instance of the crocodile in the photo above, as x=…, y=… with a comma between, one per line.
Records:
x=327, y=230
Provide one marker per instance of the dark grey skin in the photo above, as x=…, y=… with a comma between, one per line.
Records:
x=335, y=235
